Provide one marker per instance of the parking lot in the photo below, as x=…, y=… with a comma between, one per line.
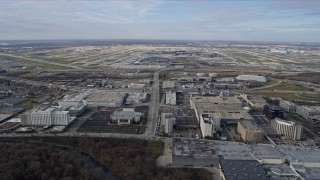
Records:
x=98, y=123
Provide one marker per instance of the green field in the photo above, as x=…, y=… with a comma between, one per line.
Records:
x=289, y=87
x=292, y=96
x=271, y=82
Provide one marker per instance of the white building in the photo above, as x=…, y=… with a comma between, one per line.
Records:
x=136, y=97
x=51, y=116
x=307, y=111
x=288, y=129
x=251, y=78
x=288, y=106
x=167, y=120
x=171, y=98
x=209, y=123
x=126, y=117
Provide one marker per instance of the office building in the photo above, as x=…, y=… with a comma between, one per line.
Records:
x=250, y=131
x=167, y=120
x=272, y=112
x=306, y=111
x=171, y=98
x=288, y=129
x=209, y=123
x=288, y=106
x=51, y=116
x=126, y=117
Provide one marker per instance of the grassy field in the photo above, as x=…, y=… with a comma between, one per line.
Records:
x=271, y=82
x=30, y=102
x=292, y=96
x=289, y=87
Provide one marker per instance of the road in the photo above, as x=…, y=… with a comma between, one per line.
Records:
x=42, y=61
x=154, y=105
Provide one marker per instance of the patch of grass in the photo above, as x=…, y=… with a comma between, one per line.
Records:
x=271, y=82
x=93, y=65
x=311, y=97
x=156, y=147
x=275, y=94
x=143, y=129
x=289, y=87
x=30, y=102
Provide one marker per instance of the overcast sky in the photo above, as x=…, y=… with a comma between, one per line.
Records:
x=259, y=20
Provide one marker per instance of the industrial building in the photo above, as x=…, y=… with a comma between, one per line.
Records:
x=104, y=99
x=288, y=106
x=171, y=98
x=241, y=170
x=230, y=108
x=250, y=131
x=306, y=111
x=126, y=117
x=251, y=78
x=209, y=123
x=272, y=112
x=167, y=121
x=256, y=102
x=288, y=129
x=78, y=109
x=94, y=98
x=54, y=115
x=136, y=97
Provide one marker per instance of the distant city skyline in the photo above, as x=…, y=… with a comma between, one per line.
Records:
x=266, y=20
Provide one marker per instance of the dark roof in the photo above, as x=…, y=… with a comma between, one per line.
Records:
x=273, y=107
x=242, y=170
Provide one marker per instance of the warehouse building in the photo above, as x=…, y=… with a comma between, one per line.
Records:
x=250, y=131
x=306, y=111
x=251, y=78
x=288, y=129
x=78, y=109
x=241, y=170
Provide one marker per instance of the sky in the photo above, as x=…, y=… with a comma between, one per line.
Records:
x=241, y=20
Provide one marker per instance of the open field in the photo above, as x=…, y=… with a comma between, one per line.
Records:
x=292, y=96
x=289, y=87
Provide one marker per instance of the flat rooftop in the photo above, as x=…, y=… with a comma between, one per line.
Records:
x=105, y=96
x=168, y=84
x=300, y=154
x=215, y=99
x=265, y=151
x=234, y=151
x=229, y=111
x=249, y=125
x=242, y=170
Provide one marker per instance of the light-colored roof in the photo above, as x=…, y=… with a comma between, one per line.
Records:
x=249, y=125
x=215, y=99
x=168, y=84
